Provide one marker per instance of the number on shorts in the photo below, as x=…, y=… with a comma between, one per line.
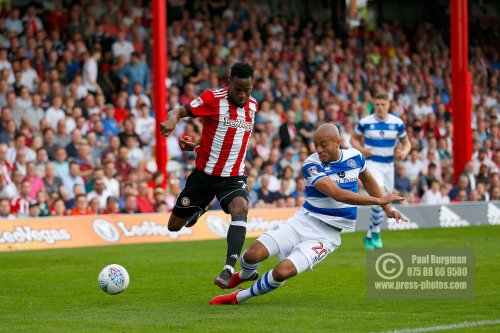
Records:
x=320, y=251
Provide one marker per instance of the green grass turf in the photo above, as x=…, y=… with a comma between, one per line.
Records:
x=171, y=285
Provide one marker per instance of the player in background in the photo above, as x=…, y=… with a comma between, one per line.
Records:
x=376, y=137
x=331, y=176
x=228, y=118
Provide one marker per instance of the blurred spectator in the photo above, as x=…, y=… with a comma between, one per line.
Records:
x=42, y=199
x=432, y=195
x=81, y=206
x=55, y=113
x=462, y=186
x=130, y=206
x=91, y=72
x=110, y=182
x=72, y=178
x=5, y=210
x=266, y=198
x=111, y=206
x=100, y=192
x=32, y=176
x=144, y=202
x=135, y=75
x=288, y=130
x=34, y=209
x=20, y=145
x=414, y=167
x=402, y=183
x=122, y=47
x=58, y=208
x=20, y=205
x=425, y=181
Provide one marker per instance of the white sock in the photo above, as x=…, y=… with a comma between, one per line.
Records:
x=247, y=269
x=263, y=285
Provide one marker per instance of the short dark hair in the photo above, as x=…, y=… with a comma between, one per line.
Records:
x=242, y=70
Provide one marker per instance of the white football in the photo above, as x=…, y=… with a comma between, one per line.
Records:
x=113, y=279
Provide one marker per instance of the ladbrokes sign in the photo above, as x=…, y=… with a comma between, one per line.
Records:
x=43, y=233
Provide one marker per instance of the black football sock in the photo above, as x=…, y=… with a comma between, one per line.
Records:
x=235, y=239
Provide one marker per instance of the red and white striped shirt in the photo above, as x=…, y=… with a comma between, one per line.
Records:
x=226, y=129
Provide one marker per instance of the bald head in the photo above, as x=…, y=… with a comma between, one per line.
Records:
x=327, y=143
x=327, y=130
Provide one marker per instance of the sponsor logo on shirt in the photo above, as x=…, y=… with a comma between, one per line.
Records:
x=238, y=123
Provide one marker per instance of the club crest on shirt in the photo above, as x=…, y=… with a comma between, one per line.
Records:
x=196, y=102
x=351, y=163
x=312, y=171
x=185, y=201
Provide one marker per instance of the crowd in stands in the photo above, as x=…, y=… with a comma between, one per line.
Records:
x=77, y=121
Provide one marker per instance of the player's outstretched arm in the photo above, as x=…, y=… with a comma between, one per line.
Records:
x=328, y=187
x=173, y=117
x=356, y=143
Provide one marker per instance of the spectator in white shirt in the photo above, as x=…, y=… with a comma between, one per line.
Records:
x=138, y=95
x=421, y=109
x=24, y=99
x=90, y=71
x=29, y=77
x=145, y=126
x=110, y=182
x=122, y=47
x=20, y=144
x=414, y=167
x=433, y=195
x=34, y=114
x=135, y=154
x=55, y=112
x=100, y=192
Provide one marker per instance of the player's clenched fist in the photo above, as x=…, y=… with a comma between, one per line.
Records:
x=186, y=143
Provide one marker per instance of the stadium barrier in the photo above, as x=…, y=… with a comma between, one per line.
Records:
x=63, y=232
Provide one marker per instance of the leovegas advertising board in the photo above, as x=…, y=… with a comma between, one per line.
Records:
x=80, y=231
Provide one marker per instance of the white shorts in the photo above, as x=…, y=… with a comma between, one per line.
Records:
x=383, y=174
x=300, y=237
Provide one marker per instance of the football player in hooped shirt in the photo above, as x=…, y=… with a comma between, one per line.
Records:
x=228, y=118
x=376, y=136
x=331, y=178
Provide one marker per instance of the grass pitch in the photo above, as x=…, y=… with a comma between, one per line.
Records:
x=171, y=285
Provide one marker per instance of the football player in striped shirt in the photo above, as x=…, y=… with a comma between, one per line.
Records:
x=377, y=136
x=228, y=118
x=331, y=176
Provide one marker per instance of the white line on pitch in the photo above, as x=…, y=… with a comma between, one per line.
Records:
x=465, y=324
